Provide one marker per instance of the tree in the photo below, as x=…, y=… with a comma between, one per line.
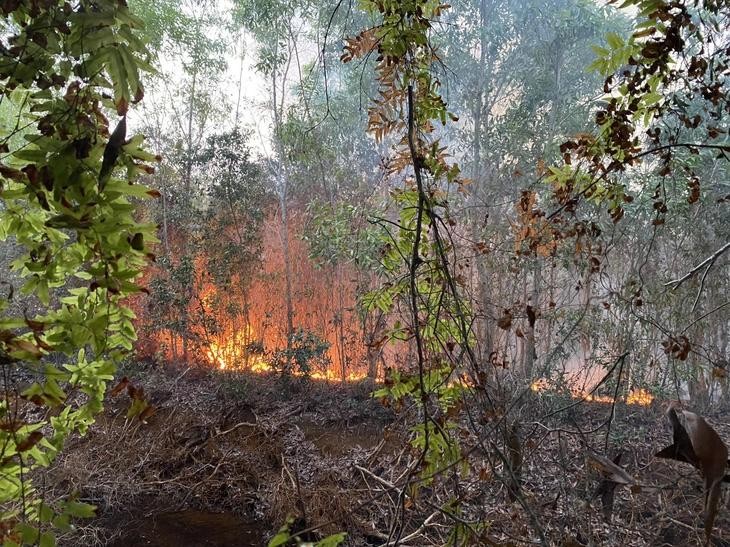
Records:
x=273, y=24
x=658, y=147
x=511, y=62
x=184, y=104
x=202, y=294
x=68, y=192
x=423, y=278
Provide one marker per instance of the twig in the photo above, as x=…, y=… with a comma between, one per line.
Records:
x=680, y=523
x=426, y=524
x=701, y=317
x=374, y=476
x=709, y=261
x=210, y=476
x=376, y=451
x=184, y=372
x=233, y=428
x=702, y=286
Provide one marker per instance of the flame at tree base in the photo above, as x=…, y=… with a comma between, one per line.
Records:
x=233, y=353
x=637, y=396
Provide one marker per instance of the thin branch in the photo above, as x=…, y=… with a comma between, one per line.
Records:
x=709, y=261
x=721, y=147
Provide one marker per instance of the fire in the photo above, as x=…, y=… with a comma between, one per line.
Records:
x=635, y=397
x=639, y=397
x=228, y=325
x=226, y=355
x=229, y=352
x=331, y=375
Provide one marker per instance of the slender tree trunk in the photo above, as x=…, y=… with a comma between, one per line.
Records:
x=284, y=235
x=550, y=323
x=283, y=205
x=530, y=348
x=189, y=158
x=531, y=355
x=483, y=274
x=173, y=346
x=240, y=81
x=341, y=323
x=585, y=338
x=165, y=233
x=187, y=184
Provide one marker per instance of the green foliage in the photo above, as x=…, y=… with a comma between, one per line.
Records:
x=663, y=104
x=235, y=214
x=609, y=60
x=436, y=441
x=169, y=27
x=170, y=294
x=305, y=353
x=336, y=234
x=68, y=192
x=270, y=22
x=414, y=256
x=283, y=538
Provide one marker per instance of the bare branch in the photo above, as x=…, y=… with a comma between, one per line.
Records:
x=708, y=262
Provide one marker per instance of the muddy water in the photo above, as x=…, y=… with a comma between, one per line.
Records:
x=192, y=529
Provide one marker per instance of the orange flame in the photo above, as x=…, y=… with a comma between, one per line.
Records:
x=638, y=396
x=228, y=325
x=230, y=349
x=229, y=352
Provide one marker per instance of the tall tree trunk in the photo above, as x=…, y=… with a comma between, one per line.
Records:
x=240, y=80
x=189, y=151
x=585, y=338
x=165, y=233
x=284, y=236
x=284, y=207
x=187, y=183
x=483, y=275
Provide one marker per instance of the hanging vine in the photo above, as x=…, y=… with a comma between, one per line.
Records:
x=418, y=256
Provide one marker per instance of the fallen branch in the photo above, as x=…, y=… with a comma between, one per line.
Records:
x=233, y=428
x=374, y=476
x=401, y=541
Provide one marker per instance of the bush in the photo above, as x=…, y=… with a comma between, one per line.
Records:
x=306, y=352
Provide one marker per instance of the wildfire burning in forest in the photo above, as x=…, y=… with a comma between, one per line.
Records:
x=231, y=354
x=638, y=396
x=239, y=321
x=241, y=325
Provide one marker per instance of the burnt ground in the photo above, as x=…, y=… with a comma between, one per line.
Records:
x=226, y=458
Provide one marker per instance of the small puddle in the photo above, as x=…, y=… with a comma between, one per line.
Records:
x=196, y=528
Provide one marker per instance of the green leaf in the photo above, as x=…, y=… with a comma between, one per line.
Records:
x=47, y=540
x=118, y=74
x=281, y=538
x=79, y=510
x=131, y=70
x=614, y=40
x=600, y=51
x=332, y=541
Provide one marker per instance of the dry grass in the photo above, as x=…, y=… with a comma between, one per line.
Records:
x=263, y=451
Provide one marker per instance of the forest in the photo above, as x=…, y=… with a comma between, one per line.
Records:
x=364, y=273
